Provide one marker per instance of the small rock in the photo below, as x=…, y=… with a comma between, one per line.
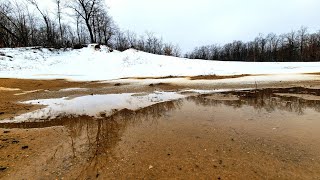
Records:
x=6, y=132
x=1, y=113
x=15, y=142
x=24, y=147
x=151, y=85
x=117, y=84
x=2, y=168
x=103, y=114
x=150, y=166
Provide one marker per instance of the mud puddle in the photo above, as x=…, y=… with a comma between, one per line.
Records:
x=255, y=134
x=92, y=105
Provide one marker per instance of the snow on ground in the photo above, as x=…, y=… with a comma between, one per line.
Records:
x=93, y=105
x=89, y=64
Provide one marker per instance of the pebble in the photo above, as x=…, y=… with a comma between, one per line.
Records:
x=15, y=142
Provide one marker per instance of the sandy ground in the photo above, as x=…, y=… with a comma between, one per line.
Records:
x=14, y=90
x=240, y=135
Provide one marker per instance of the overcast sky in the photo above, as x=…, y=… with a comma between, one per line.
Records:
x=191, y=23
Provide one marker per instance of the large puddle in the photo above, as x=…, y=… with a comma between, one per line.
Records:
x=92, y=105
x=99, y=105
x=254, y=134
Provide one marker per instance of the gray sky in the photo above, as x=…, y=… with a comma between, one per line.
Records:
x=191, y=23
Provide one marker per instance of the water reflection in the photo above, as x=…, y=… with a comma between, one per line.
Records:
x=266, y=99
x=92, y=141
x=259, y=99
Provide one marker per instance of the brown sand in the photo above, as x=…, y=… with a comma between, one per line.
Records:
x=238, y=135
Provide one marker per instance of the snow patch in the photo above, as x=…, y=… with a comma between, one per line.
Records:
x=9, y=89
x=92, y=105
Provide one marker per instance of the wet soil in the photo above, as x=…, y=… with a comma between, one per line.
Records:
x=16, y=90
x=211, y=77
x=254, y=134
x=200, y=77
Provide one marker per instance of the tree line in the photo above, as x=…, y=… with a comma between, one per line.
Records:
x=294, y=46
x=72, y=23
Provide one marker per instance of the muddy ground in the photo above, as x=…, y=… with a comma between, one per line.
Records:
x=267, y=133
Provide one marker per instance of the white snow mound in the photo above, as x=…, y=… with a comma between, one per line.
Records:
x=88, y=64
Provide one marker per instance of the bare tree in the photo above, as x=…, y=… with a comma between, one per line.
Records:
x=302, y=38
x=132, y=39
x=50, y=31
x=59, y=16
x=104, y=28
x=121, y=42
x=86, y=9
x=14, y=23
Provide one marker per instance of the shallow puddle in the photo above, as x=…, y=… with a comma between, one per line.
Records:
x=92, y=105
x=255, y=134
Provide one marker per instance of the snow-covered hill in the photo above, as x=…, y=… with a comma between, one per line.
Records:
x=91, y=64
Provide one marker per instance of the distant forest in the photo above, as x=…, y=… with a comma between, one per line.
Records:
x=294, y=46
x=74, y=23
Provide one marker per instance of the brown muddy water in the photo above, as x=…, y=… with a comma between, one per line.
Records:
x=258, y=134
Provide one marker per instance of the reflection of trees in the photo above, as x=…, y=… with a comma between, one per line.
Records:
x=91, y=140
x=266, y=99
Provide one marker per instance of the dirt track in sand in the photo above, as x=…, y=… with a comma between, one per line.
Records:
x=189, y=145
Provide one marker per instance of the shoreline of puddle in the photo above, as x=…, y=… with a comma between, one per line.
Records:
x=238, y=134
x=97, y=105
x=105, y=105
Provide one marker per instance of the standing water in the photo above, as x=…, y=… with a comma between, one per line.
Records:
x=257, y=134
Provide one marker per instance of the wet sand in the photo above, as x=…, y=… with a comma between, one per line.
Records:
x=256, y=134
x=15, y=90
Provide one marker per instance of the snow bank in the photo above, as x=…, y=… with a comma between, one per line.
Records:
x=89, y=64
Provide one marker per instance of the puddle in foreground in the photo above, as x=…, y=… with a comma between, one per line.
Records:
x=243, y=134
x=92, y=105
